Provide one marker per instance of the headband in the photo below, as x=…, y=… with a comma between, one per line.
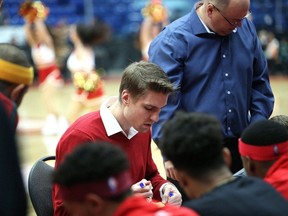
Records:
x=107, y=188
x=263, y=153
x=15, y=73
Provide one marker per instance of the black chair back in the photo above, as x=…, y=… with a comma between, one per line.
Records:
x=40, y=187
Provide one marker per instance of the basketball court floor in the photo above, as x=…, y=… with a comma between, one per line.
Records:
x=32, y=145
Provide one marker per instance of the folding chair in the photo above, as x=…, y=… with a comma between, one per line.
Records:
x=40, y=186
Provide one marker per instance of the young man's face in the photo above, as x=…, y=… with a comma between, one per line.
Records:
x=141, y=114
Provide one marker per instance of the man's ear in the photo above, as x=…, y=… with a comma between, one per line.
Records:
x=18, y=93
x=249, y=165
x=227, y=156
x=94, y=204
x=187, y=183
x=125, y=97
x=182, y=178
x=209, y=10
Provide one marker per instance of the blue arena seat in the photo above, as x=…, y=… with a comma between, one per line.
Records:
x=126, y=14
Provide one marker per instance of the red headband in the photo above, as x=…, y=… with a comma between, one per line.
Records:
x=110, y=187
x=263, y=153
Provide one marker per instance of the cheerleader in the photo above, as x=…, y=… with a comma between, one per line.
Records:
x=89, y=87
x=43, y=55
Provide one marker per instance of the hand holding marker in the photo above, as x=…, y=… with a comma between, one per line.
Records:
x=143, y=185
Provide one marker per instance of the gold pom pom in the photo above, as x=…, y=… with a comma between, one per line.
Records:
x=86, y=81
x=33, y=10
x=156, y=11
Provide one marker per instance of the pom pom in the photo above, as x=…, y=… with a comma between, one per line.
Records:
x=86, y=81
x=155, y=10
x=33, y=10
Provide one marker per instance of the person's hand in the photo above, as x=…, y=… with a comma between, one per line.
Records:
x=170, y=171
x=143, y=188
x=171, y=195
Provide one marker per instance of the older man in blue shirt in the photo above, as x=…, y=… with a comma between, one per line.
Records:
x=213, y=54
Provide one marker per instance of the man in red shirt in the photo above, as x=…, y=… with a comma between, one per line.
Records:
x=264, y=150
x=104, y=190
x=126, y=121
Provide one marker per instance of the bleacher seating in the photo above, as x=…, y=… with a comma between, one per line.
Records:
x=125, y=16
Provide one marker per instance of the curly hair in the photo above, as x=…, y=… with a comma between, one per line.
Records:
x=193, y=142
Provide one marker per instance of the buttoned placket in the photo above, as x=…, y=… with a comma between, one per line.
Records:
x=227, y=84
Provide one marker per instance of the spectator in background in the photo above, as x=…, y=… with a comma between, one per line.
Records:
x=283, y=55
x=16, y=75
x=44, y=58
x=89, y=87
x=104, y=190
x=200, y=52
x=62, y=46
x=272, y=52
x=263, y=37
x=264, y=150
x=3, y=16
x=125, y=120
x=193, y=143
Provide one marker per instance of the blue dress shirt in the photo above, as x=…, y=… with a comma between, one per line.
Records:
x=226, y=76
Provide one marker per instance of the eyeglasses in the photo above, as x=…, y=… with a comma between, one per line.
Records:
x=234, y=23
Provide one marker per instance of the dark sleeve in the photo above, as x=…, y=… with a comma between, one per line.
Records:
x=13, y=195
